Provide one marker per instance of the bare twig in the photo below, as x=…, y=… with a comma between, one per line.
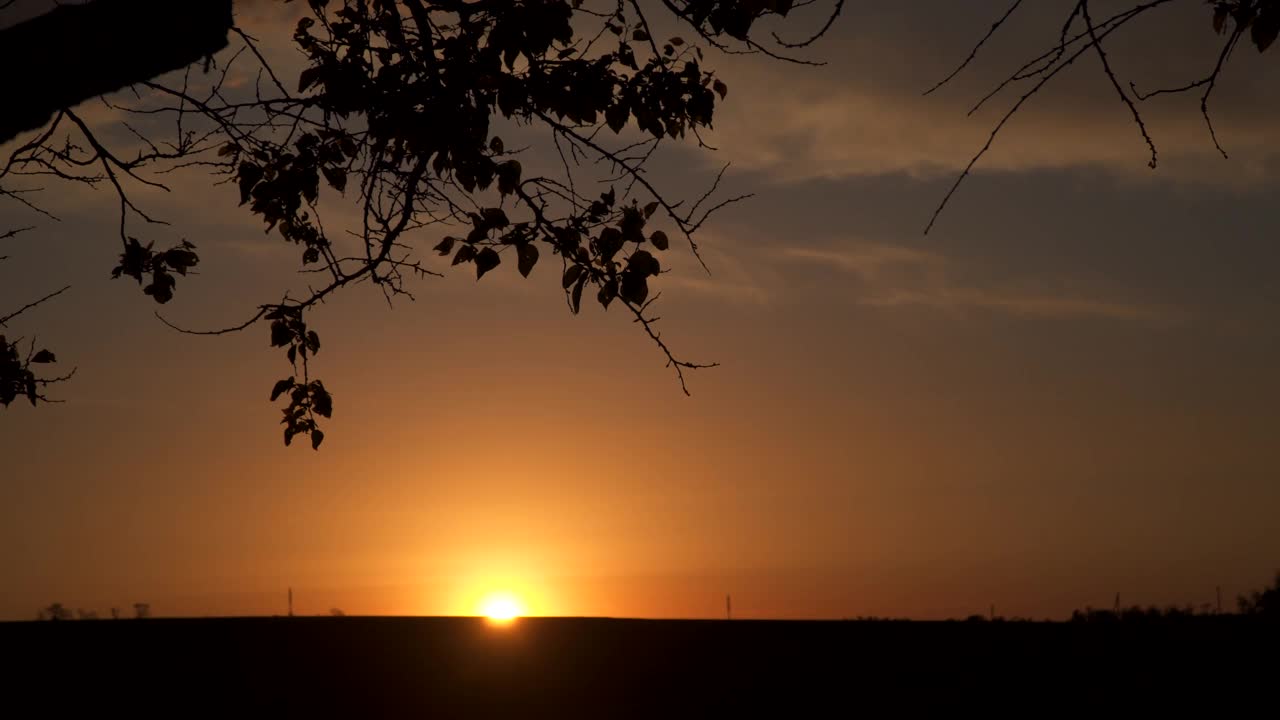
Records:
x=4, y=320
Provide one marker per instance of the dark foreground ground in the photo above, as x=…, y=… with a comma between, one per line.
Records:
x=447, y=667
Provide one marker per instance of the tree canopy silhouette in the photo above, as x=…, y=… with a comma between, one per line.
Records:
x=400, y=108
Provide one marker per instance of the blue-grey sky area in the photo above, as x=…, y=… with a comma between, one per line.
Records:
x=1066, y=390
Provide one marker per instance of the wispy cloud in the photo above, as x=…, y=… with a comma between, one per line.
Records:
x=1015, y=303
x=897, y=277
x=867, y=260
x=864, y=115
x=888, y=276
x=737, y=274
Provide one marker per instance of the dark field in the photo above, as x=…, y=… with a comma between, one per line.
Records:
x=451, y=667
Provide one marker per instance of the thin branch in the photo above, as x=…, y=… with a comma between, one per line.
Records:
x=5, y=319
x=831, y=19
x=1115, y=82
x=679, y=365
x=14, y=233
x=974, y=52
x=224, y=331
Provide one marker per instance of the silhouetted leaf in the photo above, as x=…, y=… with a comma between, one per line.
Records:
x=336, y=176
x=321, y=401
x=616, y=116
x=281, y=387
x=508, y=177
x=466, y=253
x=486, y=260
x=1266, y=28
x=495, y=145
x=44, y=356
x=309, y=77
x=610, y=242
x=446, y=246
x=641, y=261
x=635, y=287
x=248, y=177
x=180, y=259
x=317, y=437
x=495, y=217
x=281, y=335
x=721, y=89
x=313, y=342
x=527, y=257
x=161, y=287
x=133, y=261
x=659, y=240
x=571, y=275
x=576, y=297
x=608, y=292
x=650, y=209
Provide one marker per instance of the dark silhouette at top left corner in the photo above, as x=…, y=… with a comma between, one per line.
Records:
x=77, y=52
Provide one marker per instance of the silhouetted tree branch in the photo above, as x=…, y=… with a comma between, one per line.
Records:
x=18, y=371
x=1081, y=34
x=399, y=110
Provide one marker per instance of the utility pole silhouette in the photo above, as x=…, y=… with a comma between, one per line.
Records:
x=1219, y=589
x=728, y=607
x=290, y=602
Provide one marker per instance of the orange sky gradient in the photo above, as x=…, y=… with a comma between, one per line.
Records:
x=1066, y=391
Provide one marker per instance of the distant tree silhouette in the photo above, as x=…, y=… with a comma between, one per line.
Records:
x=1248, y=22
x=399, y=110
x=55, y=611
x=142, y=611
x=337, y=612
x=1264, y=602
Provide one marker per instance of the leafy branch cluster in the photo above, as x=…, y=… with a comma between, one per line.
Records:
x=400, y=109
x=18, y=368
x=1253, y=21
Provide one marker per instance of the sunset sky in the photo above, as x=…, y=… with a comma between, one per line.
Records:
x=1068, y=389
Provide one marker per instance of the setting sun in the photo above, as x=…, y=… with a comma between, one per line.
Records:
x=501, y=607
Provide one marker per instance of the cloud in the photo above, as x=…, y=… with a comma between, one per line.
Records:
x=869, y=261
x=864, y=113
x=1014, y=303
x=887, y=276
x=737, y=274
x=896, y=277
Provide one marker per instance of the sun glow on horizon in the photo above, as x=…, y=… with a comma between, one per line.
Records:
x=501, y=607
